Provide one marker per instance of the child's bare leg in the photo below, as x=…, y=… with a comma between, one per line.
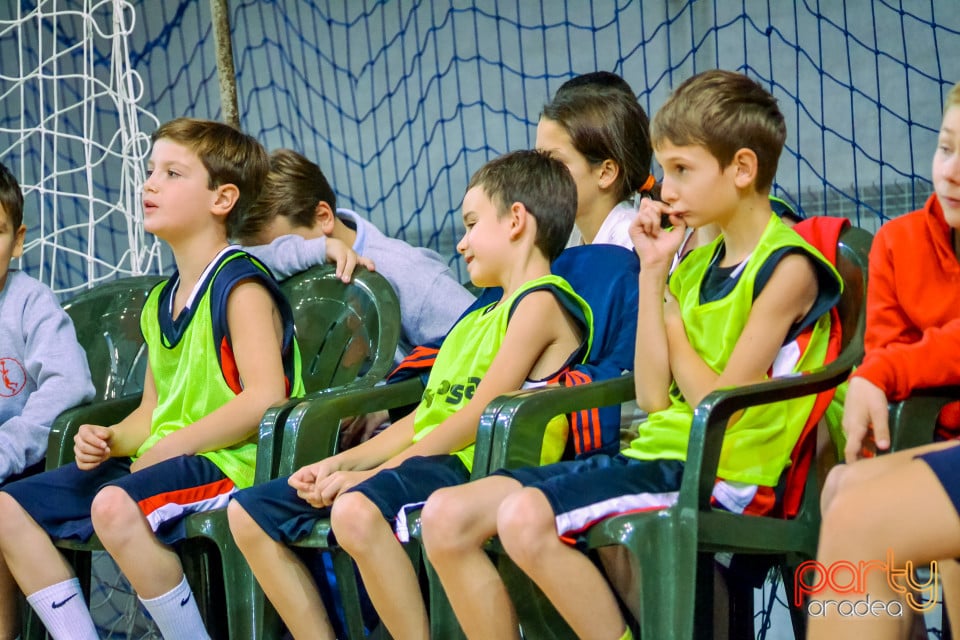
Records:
x=573, y=584
x=43, y=565
x=283, y=577
x=859, y=527
x=153, y=568
x=38, y=571
x=387, y=573
x=950, y=576
x=622, y=574
x=9, y=614
x=839, y=477
x=456, y=523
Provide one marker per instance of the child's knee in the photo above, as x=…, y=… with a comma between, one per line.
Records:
x=355, y=519
x=850, y=518
x=242, y=525
x=525, y=521
x=445, y=521
x=113, y=509
x=12, y=515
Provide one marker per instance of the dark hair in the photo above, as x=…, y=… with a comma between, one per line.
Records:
x=597, y=79
x=229, y=156
x=293, y=189
x=724, y=112
x=11, y=197
x=605, y=122
x=542, y=184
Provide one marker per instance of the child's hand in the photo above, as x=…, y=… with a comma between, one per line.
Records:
x=865, y=420
x=656, y=246
x=327, y=489
x=305, y=479
x=345, y=258
x=91, y=445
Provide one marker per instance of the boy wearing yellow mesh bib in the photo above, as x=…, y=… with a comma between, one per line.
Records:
x=220, y=351
x=748, y=306
x=518, y=211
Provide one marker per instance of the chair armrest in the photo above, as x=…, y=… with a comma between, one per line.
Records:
x=913, y=421
x=270, y=448
x=312, y=430
x=711, y=416
x=511, y=430
x=107, y=412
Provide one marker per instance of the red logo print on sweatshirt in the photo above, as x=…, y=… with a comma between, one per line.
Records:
x=13, y=377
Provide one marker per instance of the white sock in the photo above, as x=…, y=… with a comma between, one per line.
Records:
x=63, y=611
x=176, y=613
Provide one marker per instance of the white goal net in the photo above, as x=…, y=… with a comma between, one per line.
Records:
x=70, y=130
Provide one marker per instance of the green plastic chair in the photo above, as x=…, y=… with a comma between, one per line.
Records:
x=311, y=432
x=107, y=322
x=675, y=546
x=348, y=334
x=913, y=421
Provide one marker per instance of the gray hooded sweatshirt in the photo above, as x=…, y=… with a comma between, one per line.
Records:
x=43, y=370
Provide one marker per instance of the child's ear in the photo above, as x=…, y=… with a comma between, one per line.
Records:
x=18, y=239
x=225, y=199
x=607, y=173
x=519, y=218
x=325, y=218
x=744, y=164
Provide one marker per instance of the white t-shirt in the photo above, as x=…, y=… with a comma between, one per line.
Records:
x=614, y=230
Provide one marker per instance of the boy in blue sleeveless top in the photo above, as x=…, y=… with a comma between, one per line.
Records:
x=748, y=306
x=220, y=347
x=518, y=212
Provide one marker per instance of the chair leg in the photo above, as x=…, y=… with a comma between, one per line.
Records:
x=674, y=603
x=798, y=616
x=739, y=612
x=245, y=612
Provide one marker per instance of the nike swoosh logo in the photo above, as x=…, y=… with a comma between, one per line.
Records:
x=184, y=602
x=57, y=605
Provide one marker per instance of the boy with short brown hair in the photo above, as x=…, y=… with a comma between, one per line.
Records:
x=220, y=348
x=518, y=211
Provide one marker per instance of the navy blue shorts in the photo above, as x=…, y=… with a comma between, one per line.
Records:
x=285, y=517
x=60, y=500
x=583, y=492
x=945, y=464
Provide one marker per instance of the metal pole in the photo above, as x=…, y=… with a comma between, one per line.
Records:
x=220, y=14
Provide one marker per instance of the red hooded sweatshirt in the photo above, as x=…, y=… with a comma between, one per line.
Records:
x=913, y=308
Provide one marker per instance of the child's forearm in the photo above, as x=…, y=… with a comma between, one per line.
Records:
x=233, y=423
x=385, y=445
x=652, y=374
x=127, y=435
x=455, y=433
x=694, y=378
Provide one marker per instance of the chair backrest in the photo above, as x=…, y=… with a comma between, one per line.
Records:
x=344, y=331
x=107, y=321
x=849, y=254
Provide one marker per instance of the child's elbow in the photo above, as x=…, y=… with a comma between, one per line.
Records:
x=266, y=396
x=651, y=403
